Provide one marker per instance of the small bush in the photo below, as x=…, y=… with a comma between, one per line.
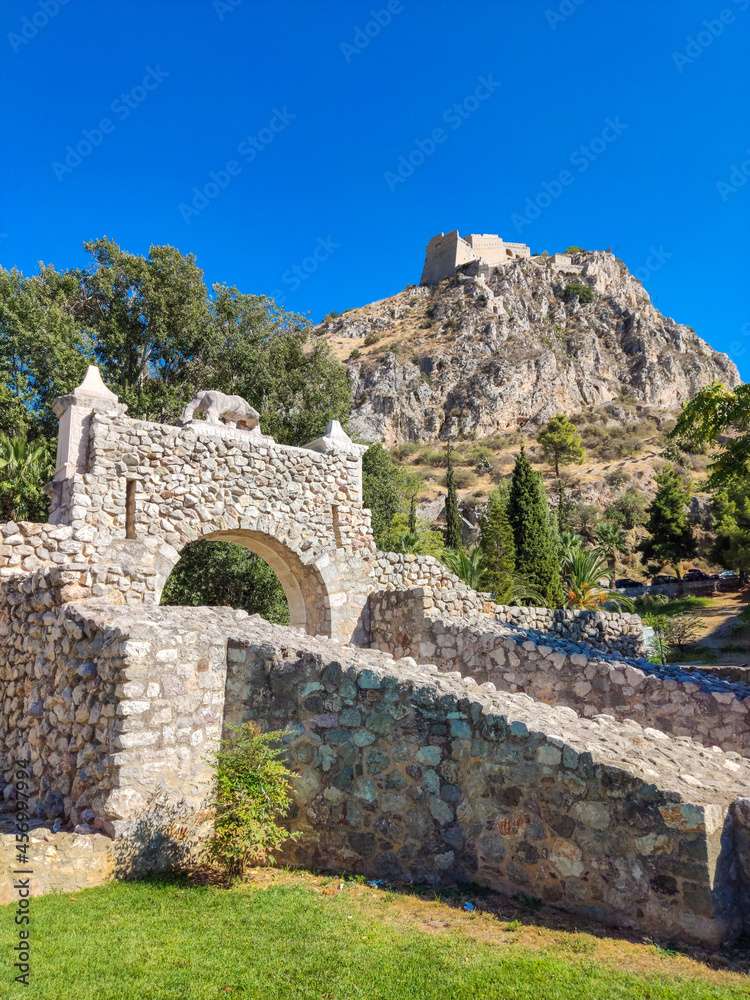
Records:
x=356, y=353
x=574, y=250
x=465, y=478
x=434, y=458
x=585, y=293
x=425, y=324
x=646, y=602
x=250, y=792
x=372, y=338
x=331, y=315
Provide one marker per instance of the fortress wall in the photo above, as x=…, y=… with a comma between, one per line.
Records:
x=711, y=711
x=400, y=771
x=444, y=254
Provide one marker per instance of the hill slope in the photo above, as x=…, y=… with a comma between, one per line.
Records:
x=493, y=350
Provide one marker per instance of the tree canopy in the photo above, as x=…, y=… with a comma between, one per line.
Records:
x=536, y=552
x=561, y=443
x=670, y=538
x=712, y=412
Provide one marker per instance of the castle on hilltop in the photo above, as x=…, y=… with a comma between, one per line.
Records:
x=447, y=251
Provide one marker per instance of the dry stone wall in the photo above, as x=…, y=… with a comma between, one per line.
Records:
x=714, y=711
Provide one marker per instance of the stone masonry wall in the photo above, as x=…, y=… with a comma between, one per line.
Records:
x=713, y=711
x=402, y=772
x=406, y=773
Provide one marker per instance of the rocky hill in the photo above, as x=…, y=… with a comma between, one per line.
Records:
x=492, y=350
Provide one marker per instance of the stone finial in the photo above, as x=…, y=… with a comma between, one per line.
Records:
x=334, y=439
x=93, y=386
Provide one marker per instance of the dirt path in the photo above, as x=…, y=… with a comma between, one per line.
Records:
x=718, y=620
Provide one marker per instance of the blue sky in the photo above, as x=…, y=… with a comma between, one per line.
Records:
x=298, y=116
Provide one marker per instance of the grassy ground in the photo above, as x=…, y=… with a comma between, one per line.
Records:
x=295, y=935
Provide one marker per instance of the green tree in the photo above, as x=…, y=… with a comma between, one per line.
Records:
x=215, y=574
x=712, y=412
x=453, y=537
x=568, y=543
x=496, y=540
x=382, y=490
x=627, y=509
x=536, y=555
x=561, y=443
x=150, y=321
x=264, y=354
x=731, y=509
x=44, y=350
x=421, y=540
x=670, y=537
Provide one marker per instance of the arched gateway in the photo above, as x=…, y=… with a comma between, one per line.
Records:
x=137, y=492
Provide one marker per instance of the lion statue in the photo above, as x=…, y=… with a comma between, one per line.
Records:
x=233, y=410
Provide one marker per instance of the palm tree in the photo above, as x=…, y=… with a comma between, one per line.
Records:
x=584, y=588
x=569, y=543
x=612, y=539
x=17, y=455
x=468, y=566
x=471, y=567
x=24, y=468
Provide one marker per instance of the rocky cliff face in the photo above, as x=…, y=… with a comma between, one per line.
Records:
x=492, y=350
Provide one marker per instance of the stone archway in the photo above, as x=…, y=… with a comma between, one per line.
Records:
x=304, y=587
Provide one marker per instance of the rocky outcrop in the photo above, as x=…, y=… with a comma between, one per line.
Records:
x=496, y=349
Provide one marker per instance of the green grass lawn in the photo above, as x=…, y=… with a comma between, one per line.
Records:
x=304, y=937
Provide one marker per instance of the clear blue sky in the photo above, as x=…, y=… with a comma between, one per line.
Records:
x=315, y=120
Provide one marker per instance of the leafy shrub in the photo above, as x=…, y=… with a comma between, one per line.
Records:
x=372, y=338
x=574, y=250
x=434, y=458
x=585, y=293
x=406, y=450
x=646, y=602
x=356, y=353
x=425, y=324
x=671, y=453
x=464, y=478
x=484, y=466
x=250, y=792
x=331, y=315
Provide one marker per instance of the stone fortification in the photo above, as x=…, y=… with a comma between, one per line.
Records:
x=685, y=703
x=401, y=772
x=446, y=252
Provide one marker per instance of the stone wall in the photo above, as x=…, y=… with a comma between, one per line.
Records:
x=61, y=862
x=406, y=773
x=686, y=703
x=401, y=771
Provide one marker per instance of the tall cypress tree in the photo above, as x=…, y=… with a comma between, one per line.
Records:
x=529, y=518
x=496, y=541
x=453, y=539
x=671, y=536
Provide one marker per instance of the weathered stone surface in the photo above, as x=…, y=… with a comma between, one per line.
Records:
x=552, y=669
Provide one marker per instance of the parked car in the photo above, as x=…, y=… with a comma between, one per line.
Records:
x=620, y=584
x=696, y=574
x=663, y=579
x=727, y=574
